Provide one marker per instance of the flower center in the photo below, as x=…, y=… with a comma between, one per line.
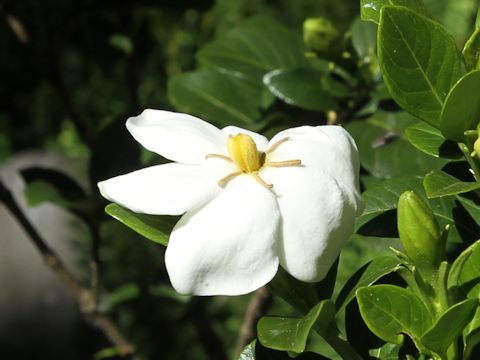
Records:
x=245, y=155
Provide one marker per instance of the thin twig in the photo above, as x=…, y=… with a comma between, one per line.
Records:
x=257, y=307
x=82, y=295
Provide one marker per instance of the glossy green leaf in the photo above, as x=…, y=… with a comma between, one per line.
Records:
x=471, y=51
x=449, y=326
x=301, y=87
x=461, y=111
x=456, y=272
x=291, y=334
x=256, y=47
x=439, y=183
x=248, y=353
x=370, y=9
x=390, y=311
x=302, y=296
x=419, y=61
x=472, y=208
x=431, y=141
x=468, y=278
x=366, y=276
x=152, y=227
x=218, y=97
x=385, y=152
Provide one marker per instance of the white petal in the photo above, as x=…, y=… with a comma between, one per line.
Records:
x=260, y=140
x=328, y=148
x=229, y=246
x=169, y=189
x=317, y=220
x=175, y=136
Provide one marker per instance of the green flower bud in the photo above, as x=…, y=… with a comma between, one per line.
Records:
x=319, y=33
x=476, y=147
x=419, y=232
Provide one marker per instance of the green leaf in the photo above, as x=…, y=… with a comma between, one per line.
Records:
x=456, y=275
x=449, y=326
x=386, y=352
x=390, y=311
x=218, y=97
x=439, y=183
x=302, y=296
x=38, y=192
x=291, y=334
x=367, y=275
x=472, y=208
x=300, y=87
x=385, y=152
x=364, y=38
x=248, y=353
x=153, y=227
x=419, y=61
x=468, y=278
x=370, y=9
x=431, y=141
x=256, y=47
x=471, y=51
x=461, y=111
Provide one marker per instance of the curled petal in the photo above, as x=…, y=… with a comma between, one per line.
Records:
x=260, y=140
x=227, y=247
x=170, y=189
x=330, y=149
x=179, y=137
x=317, y=220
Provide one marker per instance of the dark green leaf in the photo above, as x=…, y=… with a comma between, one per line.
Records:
x=256, y=47
x=300, y=87
x=390, y=311
x=370, y=9
x=366, y=276
x=291, y=334
x=439, y=183
x=384, y=151
x=218, y=97
x=472, y=335
x=449, y=326
x=431, y=141
x=468, y=273
x=471, y=51
x=302, y=296
x=386, y=352
x=461, y=110
x=153, y=227
x=472, y=208
x=419, y=61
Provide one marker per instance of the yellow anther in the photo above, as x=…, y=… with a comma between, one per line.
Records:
x=244, y=153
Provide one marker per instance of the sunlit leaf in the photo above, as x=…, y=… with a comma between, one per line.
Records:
x=439, y=183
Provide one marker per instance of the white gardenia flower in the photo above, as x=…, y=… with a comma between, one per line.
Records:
x=249, y=204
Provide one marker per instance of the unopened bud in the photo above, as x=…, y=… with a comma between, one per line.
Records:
x=319, y=33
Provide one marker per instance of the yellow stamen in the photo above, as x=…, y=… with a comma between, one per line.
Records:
x=224, y=181
x=244, y=153
x=261, y=181
x=276, y=145
x=283, y=163
x=218, y=156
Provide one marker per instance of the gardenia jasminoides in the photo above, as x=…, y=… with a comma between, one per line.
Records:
x=249, y=204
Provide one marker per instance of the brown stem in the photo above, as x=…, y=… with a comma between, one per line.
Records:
x=257, y=307
x=84, y=297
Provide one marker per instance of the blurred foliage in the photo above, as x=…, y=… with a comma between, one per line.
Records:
x=73, y=72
